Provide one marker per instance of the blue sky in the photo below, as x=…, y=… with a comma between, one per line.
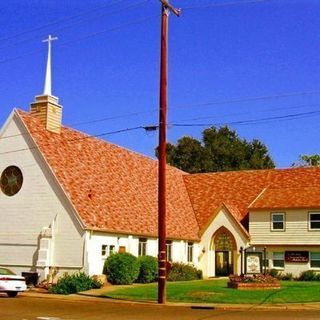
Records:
x=229, y=61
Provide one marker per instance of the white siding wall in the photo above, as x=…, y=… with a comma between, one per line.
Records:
x=178, y=251
x=95, y=240
x=296, y=229
x=37, y=205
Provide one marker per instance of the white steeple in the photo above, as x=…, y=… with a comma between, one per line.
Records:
x=46, y=106
x=47, y=83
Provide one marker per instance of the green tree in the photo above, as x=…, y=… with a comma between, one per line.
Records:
x=305, y=160
x=220, y=149
x=258, y=156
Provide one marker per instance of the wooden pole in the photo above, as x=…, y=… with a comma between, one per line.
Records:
x=162, y=256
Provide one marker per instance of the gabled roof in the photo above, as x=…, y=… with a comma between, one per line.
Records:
x=233, y=212
x=307, y=197
x=114, y=189
x=207, y=191
x=111, y=188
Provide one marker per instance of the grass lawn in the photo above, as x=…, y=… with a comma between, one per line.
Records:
x=216, y=291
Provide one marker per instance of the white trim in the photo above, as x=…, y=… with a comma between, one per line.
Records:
x=5, y=125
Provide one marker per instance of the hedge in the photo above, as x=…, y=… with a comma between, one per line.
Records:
x=73, y=283
x=148, y=269
x=183, y=272
x=121, y=268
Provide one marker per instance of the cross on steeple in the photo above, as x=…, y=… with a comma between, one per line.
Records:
x=47, y=83
x=46, y=106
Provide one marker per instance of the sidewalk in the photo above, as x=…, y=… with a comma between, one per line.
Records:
x=96, y=295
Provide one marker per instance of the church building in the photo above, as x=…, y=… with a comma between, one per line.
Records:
x=68, y=200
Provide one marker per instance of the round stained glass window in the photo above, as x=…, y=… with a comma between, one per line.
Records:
x=11, y=180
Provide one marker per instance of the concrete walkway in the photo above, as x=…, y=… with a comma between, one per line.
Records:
x=97, y=295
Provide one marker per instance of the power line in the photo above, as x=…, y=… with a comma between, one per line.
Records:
x=250, y=121
x=138, y=21
x=21, y=56
x=70, y=18
x=277, y=96
x=127, y=115
x=226, y=4
x=82, y=21
x=82, y=123
x=57, y=22
x=82, y=38
x=78, y=139
x=244, y=113
x=154, y=127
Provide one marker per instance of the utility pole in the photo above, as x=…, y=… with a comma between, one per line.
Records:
x=162, y=256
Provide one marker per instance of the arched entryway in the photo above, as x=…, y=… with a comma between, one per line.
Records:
x=224, y=246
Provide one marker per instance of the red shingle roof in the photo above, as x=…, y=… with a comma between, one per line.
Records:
x=286, y=198
x=113, y=189
x=296, y=187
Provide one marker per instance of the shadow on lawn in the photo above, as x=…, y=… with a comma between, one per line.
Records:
x=268, y=298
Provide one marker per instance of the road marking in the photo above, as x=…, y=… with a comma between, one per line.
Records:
x=48, y=318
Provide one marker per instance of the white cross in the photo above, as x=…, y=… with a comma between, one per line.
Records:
x=47, y=83
x=50, y=38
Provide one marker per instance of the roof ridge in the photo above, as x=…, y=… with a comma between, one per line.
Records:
x=311, y=185
x=258, y=196
x=271, y=170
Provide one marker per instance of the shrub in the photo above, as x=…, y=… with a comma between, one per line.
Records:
x=148, y=269
x=309, y=275
x=121, y=268
x=273, y=273
x=74, y=283
x=199, y=274
x=183, y=272
x=285, y=276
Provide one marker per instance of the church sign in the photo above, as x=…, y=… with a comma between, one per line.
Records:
x=296, y=256
x=253, y=263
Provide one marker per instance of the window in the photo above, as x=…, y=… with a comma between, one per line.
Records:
x=107, y=250
x=142, y=251
x=277, y=221
x=112, y=249
x=104, y=251
x=278, y=260
x=190, y=252
x=11, y=181
x=169, y=250
x=314, y=221
x=315, y=259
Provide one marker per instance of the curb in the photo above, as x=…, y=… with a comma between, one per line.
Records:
x=90, y=296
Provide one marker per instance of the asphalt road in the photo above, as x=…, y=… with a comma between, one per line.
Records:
x=35, y=308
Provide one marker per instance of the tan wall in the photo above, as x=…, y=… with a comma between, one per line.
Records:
x=290, y=267
x=207, y=259
x=36, y=206
x=296, y=229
